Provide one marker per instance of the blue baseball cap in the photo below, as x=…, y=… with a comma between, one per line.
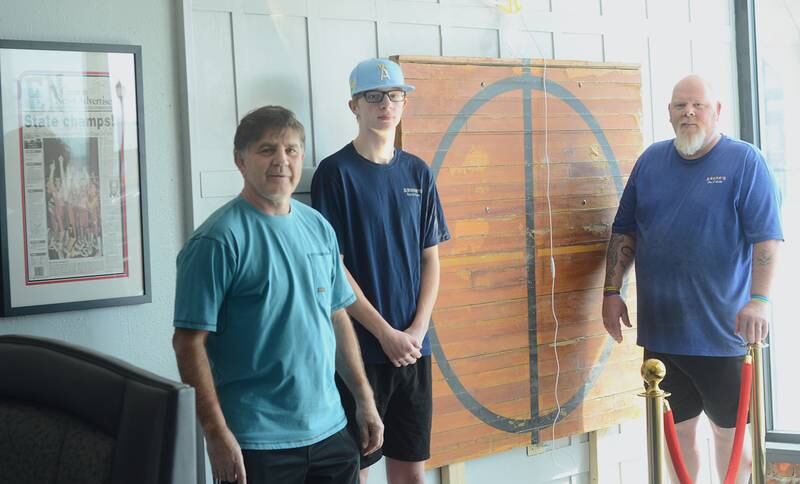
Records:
x=377, y=74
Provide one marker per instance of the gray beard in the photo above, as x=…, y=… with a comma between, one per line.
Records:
x=689, y=144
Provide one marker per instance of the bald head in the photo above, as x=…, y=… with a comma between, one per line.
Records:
x=695, y=84
x=694, y=114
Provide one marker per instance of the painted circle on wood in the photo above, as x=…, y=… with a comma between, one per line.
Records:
x=525, y=83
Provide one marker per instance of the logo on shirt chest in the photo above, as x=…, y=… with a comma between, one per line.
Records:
x=715, y=180
x=412, y=192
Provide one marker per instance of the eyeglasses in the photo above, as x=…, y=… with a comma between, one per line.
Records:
x=374, y=97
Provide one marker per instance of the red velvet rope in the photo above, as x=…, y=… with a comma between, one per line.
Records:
x=671, y=434
x=741, y=422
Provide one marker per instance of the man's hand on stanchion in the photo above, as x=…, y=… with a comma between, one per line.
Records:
x=751, y=322
x=614, y=311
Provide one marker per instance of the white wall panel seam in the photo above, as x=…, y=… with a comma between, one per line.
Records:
x=213, y=5
x=650, y=85
x=237, y=27
x=310, y=128
x=312, y=28
x=188, y=89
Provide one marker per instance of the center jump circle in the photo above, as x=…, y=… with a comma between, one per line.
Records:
x=524, y=83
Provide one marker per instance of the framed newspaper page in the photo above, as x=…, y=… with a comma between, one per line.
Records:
x=73, y=223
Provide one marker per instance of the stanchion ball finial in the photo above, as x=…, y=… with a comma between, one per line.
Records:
x=653, y=371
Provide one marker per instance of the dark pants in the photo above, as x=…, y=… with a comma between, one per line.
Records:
x=331, y=461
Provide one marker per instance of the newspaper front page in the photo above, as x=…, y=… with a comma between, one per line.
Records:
x=72, y=187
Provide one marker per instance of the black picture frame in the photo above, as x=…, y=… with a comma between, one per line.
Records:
x=73, y=196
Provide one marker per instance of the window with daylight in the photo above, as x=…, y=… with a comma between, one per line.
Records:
x=777, y=30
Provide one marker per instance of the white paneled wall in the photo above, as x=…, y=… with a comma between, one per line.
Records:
x=212, y=114
x=527, y=44
x=471, y=42
x=670, y=57
x=341, y=44
x=674, y=13
x=589, y=8
x=241, y=54
x=276, y=75
x=413, y=39
x=624, y=9
x=571, y=45
x=245, y=53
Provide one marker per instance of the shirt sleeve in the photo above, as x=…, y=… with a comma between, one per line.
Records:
x=326, y=198
x=204, y=273
x=625, y=220
x=759, y=201
x=434, y=227
x=343, y=294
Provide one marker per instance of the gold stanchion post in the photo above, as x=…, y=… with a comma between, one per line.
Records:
x=757, y=426
x=653, y=372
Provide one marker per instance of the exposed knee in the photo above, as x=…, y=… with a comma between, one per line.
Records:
x=401, y=472
x=723, y=437
x=687, y=431
x=363, y=475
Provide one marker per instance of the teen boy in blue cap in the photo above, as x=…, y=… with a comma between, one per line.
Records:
x=383, y=204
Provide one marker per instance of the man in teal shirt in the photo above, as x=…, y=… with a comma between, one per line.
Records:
x=261, y=327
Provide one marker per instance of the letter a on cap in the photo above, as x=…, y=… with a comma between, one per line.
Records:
x=384, y=71
x=377, y=74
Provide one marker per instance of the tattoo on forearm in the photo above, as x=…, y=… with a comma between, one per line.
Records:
x=611, y=259
x=763, y=258
x=619, y=252
x=627, y=256
x=609, y=274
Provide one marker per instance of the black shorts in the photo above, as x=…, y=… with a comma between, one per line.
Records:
x=707, y=384
x=404, y=400
x=334, y=459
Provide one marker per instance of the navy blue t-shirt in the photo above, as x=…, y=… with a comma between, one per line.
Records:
x=695, y=223
x=384, y=216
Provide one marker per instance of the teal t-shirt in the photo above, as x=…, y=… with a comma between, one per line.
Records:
x=265, y=288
